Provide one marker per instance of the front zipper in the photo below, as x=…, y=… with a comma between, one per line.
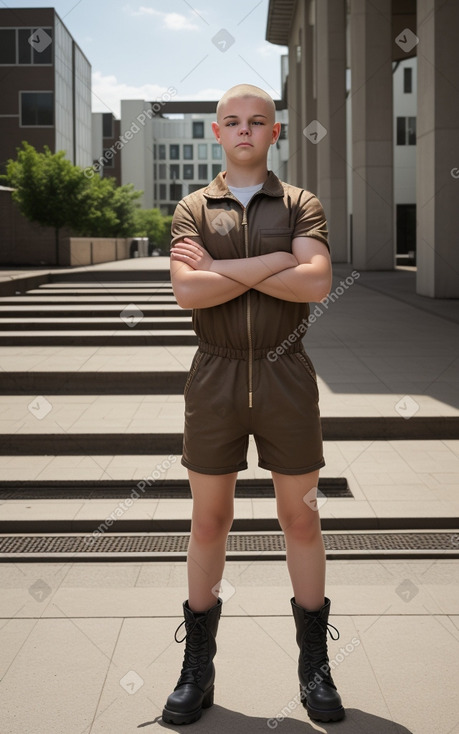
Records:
x=249, y=323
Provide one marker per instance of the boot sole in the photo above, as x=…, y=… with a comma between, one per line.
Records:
x=178, y=718
x=333, y=715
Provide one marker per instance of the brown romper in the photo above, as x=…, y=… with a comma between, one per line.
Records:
x=251, y=374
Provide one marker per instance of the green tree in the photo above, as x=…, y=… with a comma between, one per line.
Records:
x=109, y=210
x=154, y=225
x=149, y=223
x=165, y=241
x=49, y=189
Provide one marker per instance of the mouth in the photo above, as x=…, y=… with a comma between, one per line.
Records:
x=243, y=145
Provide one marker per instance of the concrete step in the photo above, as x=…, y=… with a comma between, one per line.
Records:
x=392, y=485
x=135, y=289
x=66, y=310
x=107, y=440
x=130, y=337
x=69, y=300
x=144, y=424
x=151, y=382
x=130, y=317
x=155, y=284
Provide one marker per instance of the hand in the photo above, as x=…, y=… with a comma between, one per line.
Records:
x=192, y=254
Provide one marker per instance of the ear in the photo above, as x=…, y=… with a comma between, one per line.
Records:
x=276, y=132
x=216, y=131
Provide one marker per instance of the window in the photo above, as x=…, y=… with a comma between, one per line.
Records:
x=406, y=131
x=174, y=152
x=162, y=152
x=162, y=192
x=8, y=46
x=408, y=80
x=216, y=151
x=216, y=168
x=175, y=192
x=188, y=170
x=26, y=46
x=198, y=129
x=107, y=125
x=162, y=170
x=188, y=152
x=37, y=108
x=194, y=187
x=108, y=162
x=174, y=171
x=283, y=131
x=202, y=151
x=202, y=171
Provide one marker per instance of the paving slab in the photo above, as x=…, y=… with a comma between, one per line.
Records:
x=91, y=650
x=413, y=484
x=130, y=337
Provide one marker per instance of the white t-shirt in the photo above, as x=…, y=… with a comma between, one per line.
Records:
x=245, y=193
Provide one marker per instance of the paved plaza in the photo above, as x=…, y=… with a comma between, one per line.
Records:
x=90, y=399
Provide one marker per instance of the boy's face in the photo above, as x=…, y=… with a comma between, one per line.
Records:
x=246, y=129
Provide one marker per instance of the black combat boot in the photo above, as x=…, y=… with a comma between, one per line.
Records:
x=195, y=688
x=318, y=692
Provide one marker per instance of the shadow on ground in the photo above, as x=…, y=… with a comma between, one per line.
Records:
x=227, y=722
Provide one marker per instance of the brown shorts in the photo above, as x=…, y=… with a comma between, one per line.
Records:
x=284, y=418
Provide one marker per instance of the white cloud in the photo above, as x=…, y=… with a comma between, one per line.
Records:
x=107, y=92
x=171, y=21
x=270, y=50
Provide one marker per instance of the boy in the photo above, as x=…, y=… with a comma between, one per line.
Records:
x=248, y=254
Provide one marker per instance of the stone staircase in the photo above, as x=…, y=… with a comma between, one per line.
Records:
x=93, y=366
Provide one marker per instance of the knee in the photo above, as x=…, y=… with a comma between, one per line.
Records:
x=210, y=530
x=304, y=527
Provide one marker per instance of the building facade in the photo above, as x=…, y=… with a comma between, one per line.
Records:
x=170, y=157
x=45, y=86
x=333, y=42
x=106, y=131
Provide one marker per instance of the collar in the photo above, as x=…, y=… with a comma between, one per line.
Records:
x=218, y=188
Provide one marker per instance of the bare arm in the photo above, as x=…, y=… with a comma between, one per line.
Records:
x=200, y=288
x=205, y=282
x=310, y=280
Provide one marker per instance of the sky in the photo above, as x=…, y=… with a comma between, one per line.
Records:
x=139, y=49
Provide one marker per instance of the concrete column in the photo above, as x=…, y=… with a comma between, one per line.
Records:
x=308, y=94
x=294, y=121
x=437, y=161
x=331, y=113
x=372, y=154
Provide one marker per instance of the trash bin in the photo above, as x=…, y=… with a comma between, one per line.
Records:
x=143, y=247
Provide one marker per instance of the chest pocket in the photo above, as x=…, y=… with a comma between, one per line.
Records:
x=275, y=240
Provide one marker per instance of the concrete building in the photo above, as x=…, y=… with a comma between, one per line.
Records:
x=327, y=38
x=106, y=131
x=170, y=157
x=404, y=160
x=45, y=86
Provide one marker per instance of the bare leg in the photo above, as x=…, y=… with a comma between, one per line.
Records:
x=303, y=537
x=213, y=499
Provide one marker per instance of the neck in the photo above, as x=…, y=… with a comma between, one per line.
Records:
x=241, y=177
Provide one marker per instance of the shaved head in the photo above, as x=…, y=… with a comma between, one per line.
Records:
x=241, y=91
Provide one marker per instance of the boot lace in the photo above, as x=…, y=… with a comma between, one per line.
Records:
x=196, y=656
x=314, y=651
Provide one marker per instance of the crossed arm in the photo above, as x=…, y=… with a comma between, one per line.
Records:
x=199, y=281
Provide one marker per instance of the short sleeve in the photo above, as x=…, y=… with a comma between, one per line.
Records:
x=184, y=225
x=311, y=221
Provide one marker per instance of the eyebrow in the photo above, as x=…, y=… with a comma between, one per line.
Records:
x=236, y=116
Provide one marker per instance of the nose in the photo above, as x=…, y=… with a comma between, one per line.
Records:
x=244, y=129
